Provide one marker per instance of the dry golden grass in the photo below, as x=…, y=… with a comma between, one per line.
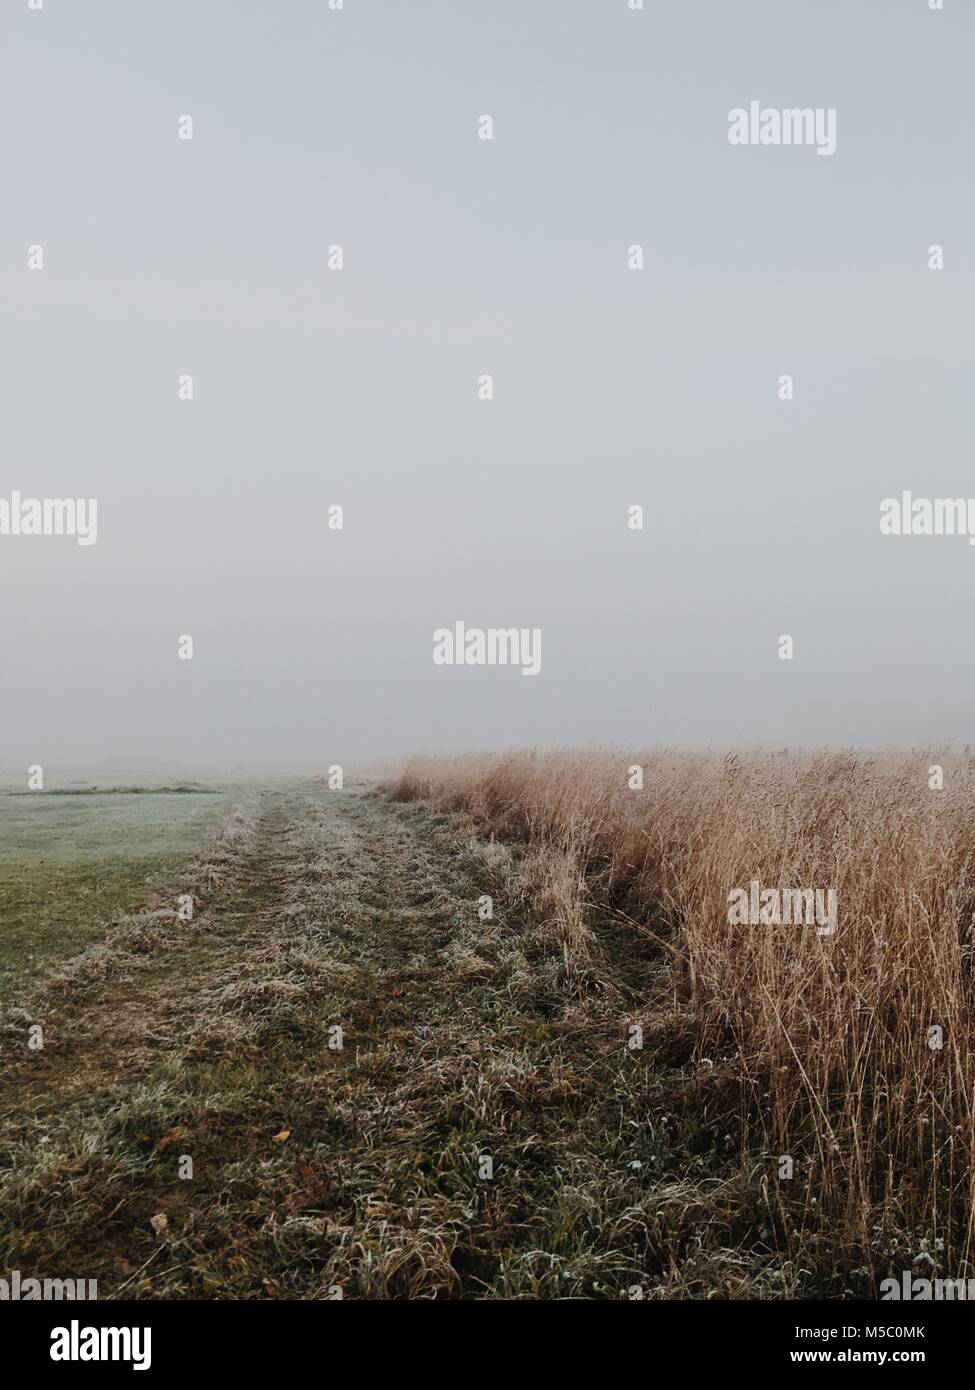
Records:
x=818, y=1045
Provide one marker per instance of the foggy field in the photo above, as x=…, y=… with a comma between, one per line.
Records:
x=489, y=1032
x=410, y=410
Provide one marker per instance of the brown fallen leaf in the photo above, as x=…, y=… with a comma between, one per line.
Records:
x=122, y=1265
x=170, y=1137
x=159, y=1222
x=281, y=1136
x=306, y=1174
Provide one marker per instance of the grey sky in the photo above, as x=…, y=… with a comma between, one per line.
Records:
x=463, y=257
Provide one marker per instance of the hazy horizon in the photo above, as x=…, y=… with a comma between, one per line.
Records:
x=463, y=257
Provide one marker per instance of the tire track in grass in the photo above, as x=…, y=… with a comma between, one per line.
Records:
x=477, y=1133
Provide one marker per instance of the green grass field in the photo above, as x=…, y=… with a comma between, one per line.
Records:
x=73, y=857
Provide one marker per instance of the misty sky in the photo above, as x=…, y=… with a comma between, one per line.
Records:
x=465, y=257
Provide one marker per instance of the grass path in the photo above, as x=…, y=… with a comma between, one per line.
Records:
x=481, y=1131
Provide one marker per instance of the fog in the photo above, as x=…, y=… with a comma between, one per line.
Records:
x=465, y=257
